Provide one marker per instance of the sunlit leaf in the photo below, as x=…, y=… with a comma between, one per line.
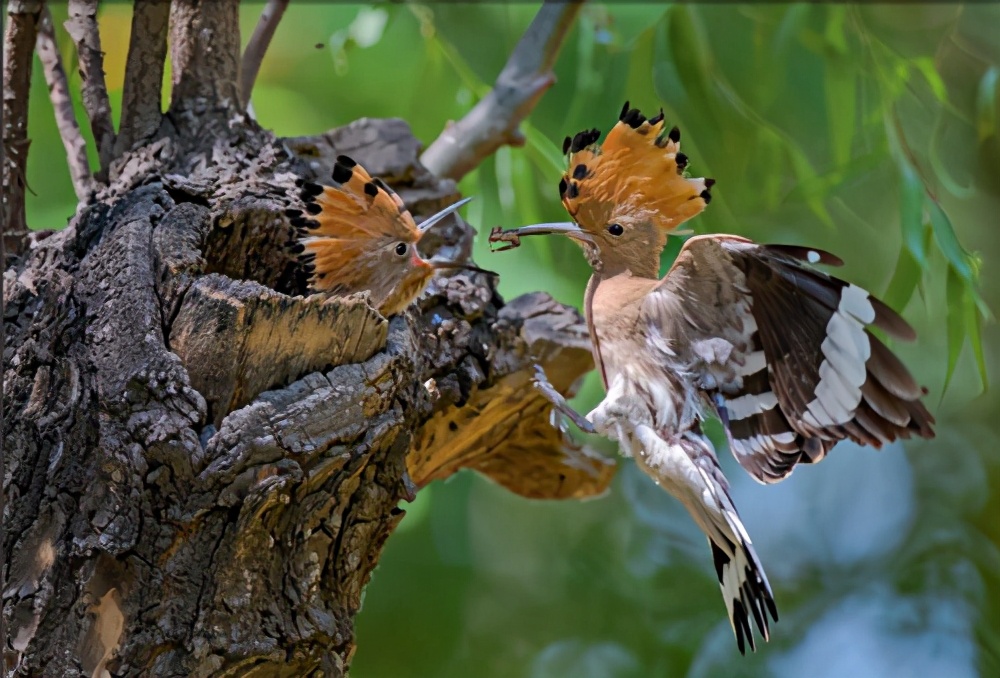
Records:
x=927, y=68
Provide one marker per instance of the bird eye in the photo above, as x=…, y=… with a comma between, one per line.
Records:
x=616, y=230
x=402, y=248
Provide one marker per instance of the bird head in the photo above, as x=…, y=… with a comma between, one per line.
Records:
x=358, y=235
x=626, y=194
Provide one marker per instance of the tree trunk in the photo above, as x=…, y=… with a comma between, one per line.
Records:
x=202, y=463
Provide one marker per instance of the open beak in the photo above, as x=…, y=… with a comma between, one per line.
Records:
x=429, y=222
x=513, y=236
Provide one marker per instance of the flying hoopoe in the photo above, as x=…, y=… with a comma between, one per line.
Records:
x=358, y=235
x=775, y=348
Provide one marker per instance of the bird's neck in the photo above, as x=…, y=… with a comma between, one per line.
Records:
x=647, y=266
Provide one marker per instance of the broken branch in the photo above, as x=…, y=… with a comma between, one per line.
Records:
x=82, y=27
x=18, y=51
x=253, y=55
x=62, y=105
x=495, y=120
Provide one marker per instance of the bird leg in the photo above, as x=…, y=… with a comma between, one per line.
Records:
x=550, y=393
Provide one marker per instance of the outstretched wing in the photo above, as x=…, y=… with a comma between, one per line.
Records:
x=783, y=352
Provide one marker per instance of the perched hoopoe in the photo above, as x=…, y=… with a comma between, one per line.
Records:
x=359, y=236
x=775, y=348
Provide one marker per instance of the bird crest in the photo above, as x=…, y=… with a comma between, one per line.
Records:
x=638, y=170
x=358, y=235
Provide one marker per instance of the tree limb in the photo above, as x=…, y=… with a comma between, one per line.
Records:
x=82, y=27
x=204, y=54
x=18, y=51
x=494, y=121
x=147, y=51
x=253, y=55
x=62, y=104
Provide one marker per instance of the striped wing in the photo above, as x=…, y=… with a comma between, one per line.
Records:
x=783, y=352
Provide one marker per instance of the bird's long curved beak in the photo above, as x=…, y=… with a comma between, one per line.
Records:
x=427, y=223
x=452, y=265
x=513, y=236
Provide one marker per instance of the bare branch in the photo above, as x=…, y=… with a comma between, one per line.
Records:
x=253, y=55
x=62, y=104
x=142, y=106
x=494, y=121
x=82, y=27
x=18, y=50
x=205, y=54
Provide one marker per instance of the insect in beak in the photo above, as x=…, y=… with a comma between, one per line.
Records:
x=513, y=236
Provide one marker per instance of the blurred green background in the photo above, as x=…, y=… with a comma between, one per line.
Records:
x=870, y=131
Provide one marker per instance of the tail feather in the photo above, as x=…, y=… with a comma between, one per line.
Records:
x=686, y=466
x=745, y=591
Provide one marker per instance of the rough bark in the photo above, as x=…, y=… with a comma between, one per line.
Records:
x=203, y=462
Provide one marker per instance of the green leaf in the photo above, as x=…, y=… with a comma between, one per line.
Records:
x=833, y=33
x=904, y=281
x=911, y=212
x=926, y=67
x=840, y=87
x=948, y=242
x=986, y=103
x=955, y=293
x=543, y=152
x=974, y=330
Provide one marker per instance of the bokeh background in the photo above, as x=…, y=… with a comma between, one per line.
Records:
x=870, y=131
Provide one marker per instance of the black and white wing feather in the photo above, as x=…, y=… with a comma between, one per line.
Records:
x=783, y=352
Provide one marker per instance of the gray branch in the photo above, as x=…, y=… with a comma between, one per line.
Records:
x=18, y=52
x=495, y=120
x=147, y=51
x=62, y=104
x=253, y=55
x=205, y=55
x=82, y=27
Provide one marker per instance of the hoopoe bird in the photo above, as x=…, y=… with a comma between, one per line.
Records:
x=358, y=235
x=776, y=349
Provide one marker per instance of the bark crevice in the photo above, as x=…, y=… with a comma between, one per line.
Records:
x=205, y=464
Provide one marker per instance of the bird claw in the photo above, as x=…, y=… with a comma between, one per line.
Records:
x=549, y=392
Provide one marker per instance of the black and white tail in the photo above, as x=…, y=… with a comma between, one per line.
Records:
x=686, y=466
x=745, y=589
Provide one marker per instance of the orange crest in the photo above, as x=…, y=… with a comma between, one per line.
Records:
x=359, y=236
x=638, y=169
